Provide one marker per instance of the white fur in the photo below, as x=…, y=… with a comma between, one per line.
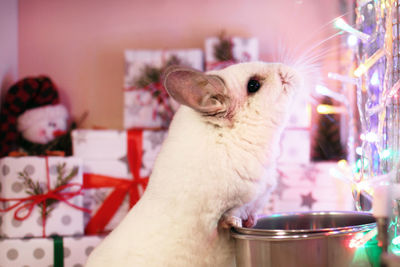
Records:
x=208, y=168
x=38, y=125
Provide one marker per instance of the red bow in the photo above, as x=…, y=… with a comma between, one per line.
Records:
x=28, y=203
x=121, y=186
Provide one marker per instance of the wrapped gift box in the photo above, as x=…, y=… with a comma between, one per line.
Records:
x=77, y=249
x=306, y=187
x=147, y=104
x=25, y=181
x=113, y=145
x=295, y=146
x=114, y=161
x=238, y=50
x=94, y=198
x=39, y=252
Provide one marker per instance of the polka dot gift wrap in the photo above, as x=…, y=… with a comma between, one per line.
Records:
x=26, y=252
x=22, y=177
x=78, y=249
x=43, y=252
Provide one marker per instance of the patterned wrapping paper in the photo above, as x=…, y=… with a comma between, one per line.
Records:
x=41, y=252
x=242, y=50
x=112, y=145
x=77, y=249
x=295, y=146
x=64, y=217
x=105, y=153
x=150, y=106
x=306, y=187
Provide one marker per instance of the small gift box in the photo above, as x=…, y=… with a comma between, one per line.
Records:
x=295, y=146
x=117, y=165
x=147, y=104
x=39, y=252
x=223, y=51
x=41, y=196
x=305, y=187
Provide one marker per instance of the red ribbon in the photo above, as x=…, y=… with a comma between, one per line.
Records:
x=28, y=203
x=158, y=92
x=121, y=186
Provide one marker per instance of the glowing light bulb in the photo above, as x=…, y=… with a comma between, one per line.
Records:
x=362, y=68
x=359, y=151
x=342, y=25
x=396, y=240
x=342, y=164
x=352, y=40
x=361, y=163
x=374, y=79
x=328, y=109
x=324, y=109
x=322, y=90
x=386, y=154
x=342, y=78
x=371, y=137
x=361, y=239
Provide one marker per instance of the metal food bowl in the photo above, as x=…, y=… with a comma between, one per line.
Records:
x=308, y=239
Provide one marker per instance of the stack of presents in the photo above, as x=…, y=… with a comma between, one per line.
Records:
x=56, y=205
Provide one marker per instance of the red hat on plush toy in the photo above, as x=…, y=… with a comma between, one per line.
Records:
x=26, y=104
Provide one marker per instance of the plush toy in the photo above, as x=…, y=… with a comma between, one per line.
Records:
x=32, y=119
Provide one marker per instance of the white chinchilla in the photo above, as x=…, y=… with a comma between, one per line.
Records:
x=215, y=169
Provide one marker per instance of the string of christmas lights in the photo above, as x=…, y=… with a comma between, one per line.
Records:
x=374, y=41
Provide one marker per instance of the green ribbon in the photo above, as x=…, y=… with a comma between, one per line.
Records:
x=58, y=258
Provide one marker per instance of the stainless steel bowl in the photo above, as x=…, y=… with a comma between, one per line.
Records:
x=305, y=239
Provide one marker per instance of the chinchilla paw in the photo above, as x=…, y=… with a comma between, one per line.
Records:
x=230, y=221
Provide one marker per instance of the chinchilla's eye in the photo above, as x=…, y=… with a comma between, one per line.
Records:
x=253, y=85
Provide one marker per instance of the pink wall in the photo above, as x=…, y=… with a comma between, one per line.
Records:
x=80, y=44
x=8, y=44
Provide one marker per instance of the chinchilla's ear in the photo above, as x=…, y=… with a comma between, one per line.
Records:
x=205, y=93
